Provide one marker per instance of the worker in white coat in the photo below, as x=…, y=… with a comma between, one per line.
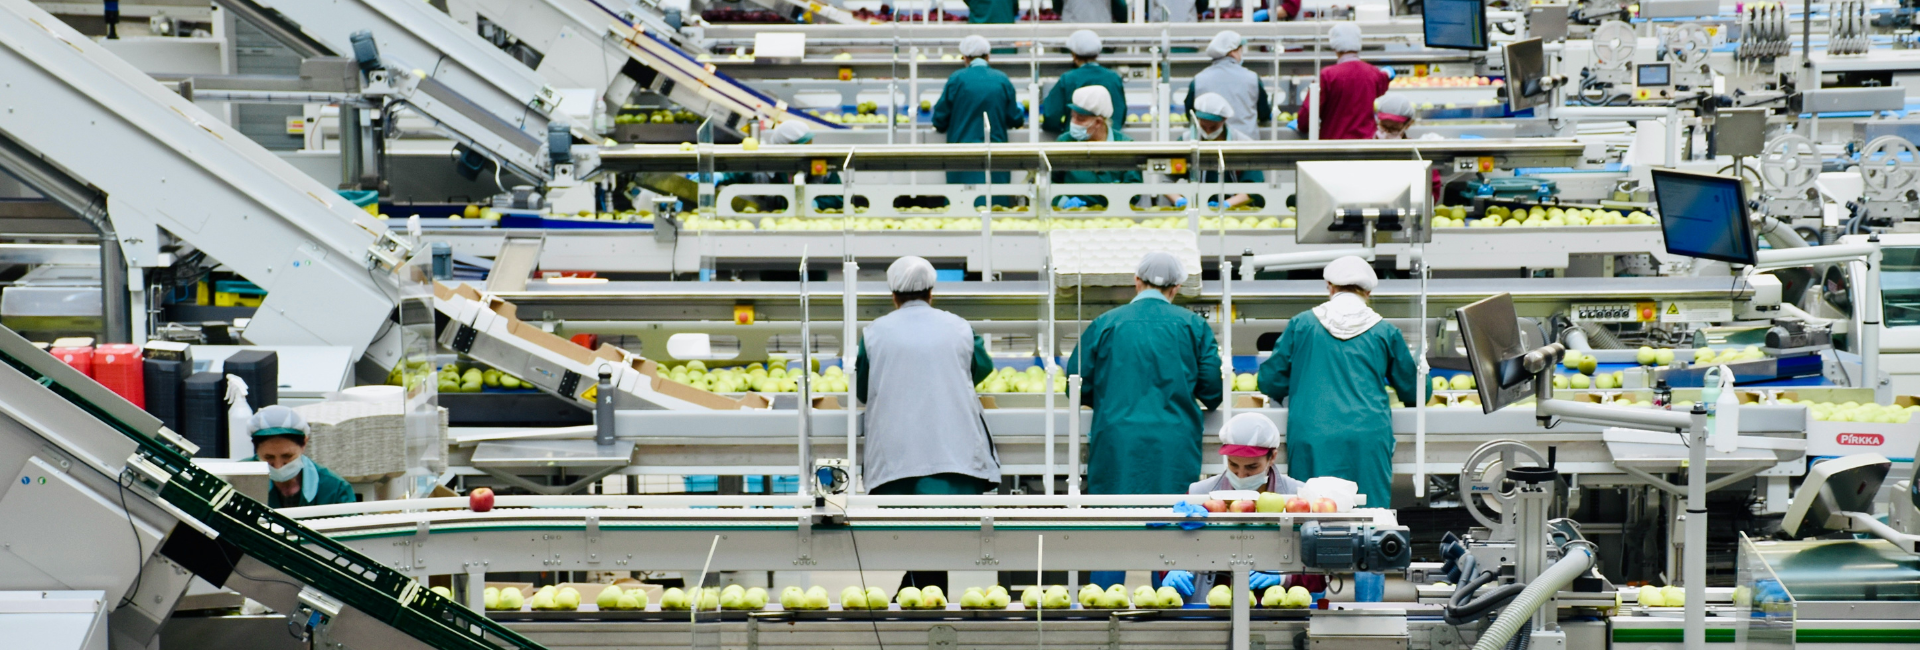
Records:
x=1248, y=445
x=1233, y=82
x=925, y=431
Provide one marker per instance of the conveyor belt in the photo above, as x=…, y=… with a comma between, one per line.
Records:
x=244, y=527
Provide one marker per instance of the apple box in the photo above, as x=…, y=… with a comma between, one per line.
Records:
x=1897, y=442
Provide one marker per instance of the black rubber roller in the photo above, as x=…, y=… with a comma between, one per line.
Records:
x=1532, y=474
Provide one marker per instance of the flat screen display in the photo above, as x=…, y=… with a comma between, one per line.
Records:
x=1455, y=24
x=1704, y=216
x=1653, y=74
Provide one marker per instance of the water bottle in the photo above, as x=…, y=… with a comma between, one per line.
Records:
x=1662, y=395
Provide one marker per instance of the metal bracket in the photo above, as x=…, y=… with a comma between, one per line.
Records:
x=803, y=537
x=986, y=543
x=753, y=633
x=421, y=531
x=552, y=559
x=942, y=637
x=593, y=540
x=1113, y=632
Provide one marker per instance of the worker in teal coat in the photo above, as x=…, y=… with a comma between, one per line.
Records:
x=992, y=11
x=1087, y=71
x=280, y=439
x=1147, y=369
x=1092, y=122
x=1339, y=422
x=976, y=99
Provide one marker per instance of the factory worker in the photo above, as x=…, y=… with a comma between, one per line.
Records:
x=1211, y=115
x=1339, y=423
x=1172, y=11
x=1393, y=115
x=918, y=367
x=1092, y=122
x=992, y=11
x=1091, y=11
x=280, y=439
x=1248, y=444
x=1085, y=45
x=1232, y=82
x=1147, y=368
x=1347, y=90
x=977, y=96
x=1282, y=10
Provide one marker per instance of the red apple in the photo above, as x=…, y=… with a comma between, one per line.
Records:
x=480, y=499
x=1297, y=504
x=1243, y=505
x=1215, y=505
x=1324, y=504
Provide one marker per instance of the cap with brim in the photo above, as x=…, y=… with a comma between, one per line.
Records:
x=279, y=431
x=1210, y=117
x=1396, y=118
x=1244, y=451
x=1082, y=111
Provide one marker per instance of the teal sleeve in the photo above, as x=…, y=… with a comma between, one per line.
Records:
x=860, y=366
x=942, y=109
x=1277, y=371
x=1253, y=176
x=1016, y=117
x=1401, y=370
x=1208, y=389
x=1053, y=110
x=333, y=490
x=982, y=362
x=1118, y=90
x=1189, y=102
x=1078, y=364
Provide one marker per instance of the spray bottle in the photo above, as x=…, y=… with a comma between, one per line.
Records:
x=239, y=419
x=1723, y=409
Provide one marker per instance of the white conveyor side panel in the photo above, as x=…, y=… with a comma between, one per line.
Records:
x=166, y=164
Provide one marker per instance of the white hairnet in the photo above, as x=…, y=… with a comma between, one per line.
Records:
x=1093, y=100
x=1161, y=269
x=278, y=417
x=1351, y=271
x=910, y=274
x=1212, y=106
x=1345, y=37
x=1084, y=43
x=789, y=132
x=1394, y=104
x=1251, y=430
x=1225, y=43
x=975, y=45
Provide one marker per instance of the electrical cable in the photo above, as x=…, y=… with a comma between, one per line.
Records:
x=860, y=567
x=139, y=550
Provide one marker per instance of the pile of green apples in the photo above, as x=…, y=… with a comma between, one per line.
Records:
x=613, y=599
x=549, y=598
x=1246, y=382
x=474, y=379
x=1709, y=357
x=1032, y=380
x=994, y=597
x=915, y=598
x=1538, y=217
x=1857, y=412
x=755, y=377
x=1295, y=597
x=508, y=599
x=1668, y=596
x=1584, y=378
x=788, y=224
x=1053, y=597
x=706, y=600
x=813, y=599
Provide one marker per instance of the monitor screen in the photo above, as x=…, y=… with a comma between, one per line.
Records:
x=1652, y=74
x=1704, y=216
x=1526, y=68
x=1455, y=24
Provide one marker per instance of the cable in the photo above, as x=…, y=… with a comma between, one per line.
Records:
x=861, y=568
x=139, y=550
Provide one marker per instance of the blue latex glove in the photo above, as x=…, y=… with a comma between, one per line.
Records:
x=1193, y=513
x=1182, y=581
x=1389, y=71
x=1260, y=15
x=1180, y=202
x=1213, y=204
x=1259, y=581
x=1295, y=125
x=1073, y=202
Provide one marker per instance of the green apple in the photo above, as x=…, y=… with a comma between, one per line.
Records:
x=709, y=600
x=627, y=601
x=997, y=597
x=609, y=598
x=1270, y=502
x=1220, y=596
x=1056, y=598
x=909, y=598
x=973, y=599
x=491, y=599
x=1462, y=381
x=1646, y=356
x=1170, y=598
x=1275, y=598
x=933, y=598
x=1440, y=384
x=792, y=598
x=1088, y=593
x=542, y=600
x=1663, y=357
x=816, y=598
x=1675, y=596
x=853, y=598
x=1604, y=381
x=1580, y=382
x=1560, y=381
x=1588, y=364
x=1298, y=597
x=756, y=598
x=876, y=599
x=1030, y=597
x=1145, y=597
x=639, y=597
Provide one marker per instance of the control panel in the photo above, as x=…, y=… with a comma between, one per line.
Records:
x=1622, y=312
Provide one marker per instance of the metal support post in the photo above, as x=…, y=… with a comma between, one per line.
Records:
x=1242, y=619
x=1695, y=566
x=849, y=343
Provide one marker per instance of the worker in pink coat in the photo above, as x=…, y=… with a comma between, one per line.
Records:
x=1348, y=89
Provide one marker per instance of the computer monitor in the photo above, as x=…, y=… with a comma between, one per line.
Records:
x=1455, y=24
x=1495, y=348
x=1653, y=74
x=1704, y=216
x=1526, y=70
x=1329, y=194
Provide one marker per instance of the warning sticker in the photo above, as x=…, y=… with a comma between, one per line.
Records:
x=1704, y=311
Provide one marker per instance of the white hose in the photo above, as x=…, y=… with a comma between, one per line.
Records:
x=1579, y=558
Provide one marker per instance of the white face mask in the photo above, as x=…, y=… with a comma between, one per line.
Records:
x=1214, y=134
x=1079, y=131
x=1254, y=482
x=288, y=471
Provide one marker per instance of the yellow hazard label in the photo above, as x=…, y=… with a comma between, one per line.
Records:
x=591, y=391
x=1673, y=309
